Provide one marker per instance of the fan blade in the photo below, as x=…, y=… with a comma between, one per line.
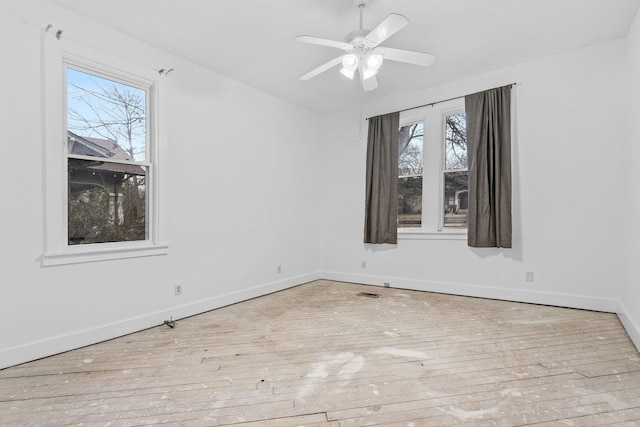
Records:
x=408, y=56
x=370, y=84
x=323, y=42
x=322, y=68
x=388, y=27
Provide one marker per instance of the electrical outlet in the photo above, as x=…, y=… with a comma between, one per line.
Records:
x=279, y=269
x=363, y=264
x=178, y=289
x=528, y=276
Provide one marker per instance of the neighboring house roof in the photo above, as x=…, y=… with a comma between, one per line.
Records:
x=102, y=148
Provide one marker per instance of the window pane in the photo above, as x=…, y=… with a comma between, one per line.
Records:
x=456, y=198
x=456, y=142
x=106, y=202
x=456, y=175
x=410, y=168
x=109, y=116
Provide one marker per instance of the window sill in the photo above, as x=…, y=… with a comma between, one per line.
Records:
x=422, y=234
x=85, y=254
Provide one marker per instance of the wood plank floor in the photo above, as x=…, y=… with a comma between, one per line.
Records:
x=320, y=355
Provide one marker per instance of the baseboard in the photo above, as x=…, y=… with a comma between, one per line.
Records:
x=517, y=295
x=36, y=350
x=632, y=328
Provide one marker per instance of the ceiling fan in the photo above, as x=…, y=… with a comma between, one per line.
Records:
x=363, y=51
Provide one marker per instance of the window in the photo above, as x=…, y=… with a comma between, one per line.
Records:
x=410, y=165
x=433, y=172
x=103, y=195
x=106, y=159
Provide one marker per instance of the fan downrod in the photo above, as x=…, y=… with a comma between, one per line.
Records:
x=355, y=37
x=360, y=3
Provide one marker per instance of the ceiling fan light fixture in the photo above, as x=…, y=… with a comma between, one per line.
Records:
x=350, y=62
x=349, y=65
x=373, y=61
x=348, y=73
x=367, y=73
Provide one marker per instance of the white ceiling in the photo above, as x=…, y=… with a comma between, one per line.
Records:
x=252, y=40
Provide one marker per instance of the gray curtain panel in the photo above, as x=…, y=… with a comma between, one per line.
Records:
x=381, y=201
x=489, y=150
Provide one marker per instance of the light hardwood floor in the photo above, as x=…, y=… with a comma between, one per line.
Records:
x=320, y=355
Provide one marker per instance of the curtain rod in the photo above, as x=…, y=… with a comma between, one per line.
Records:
x=431, y=104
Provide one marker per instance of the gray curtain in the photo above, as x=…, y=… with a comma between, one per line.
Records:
x=489, y=151
x=381, y=204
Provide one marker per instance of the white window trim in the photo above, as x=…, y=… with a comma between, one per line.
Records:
x=434, y=127
x=58, y=53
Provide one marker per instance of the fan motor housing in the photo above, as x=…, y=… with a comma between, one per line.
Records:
x=356, y=37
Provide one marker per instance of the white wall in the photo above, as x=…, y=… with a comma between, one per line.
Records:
x=236, y=214
x=630, y=291
x=243, y=197
x=568, y=197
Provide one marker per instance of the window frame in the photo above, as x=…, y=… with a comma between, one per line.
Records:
x=432, y=224
x=59, y=54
